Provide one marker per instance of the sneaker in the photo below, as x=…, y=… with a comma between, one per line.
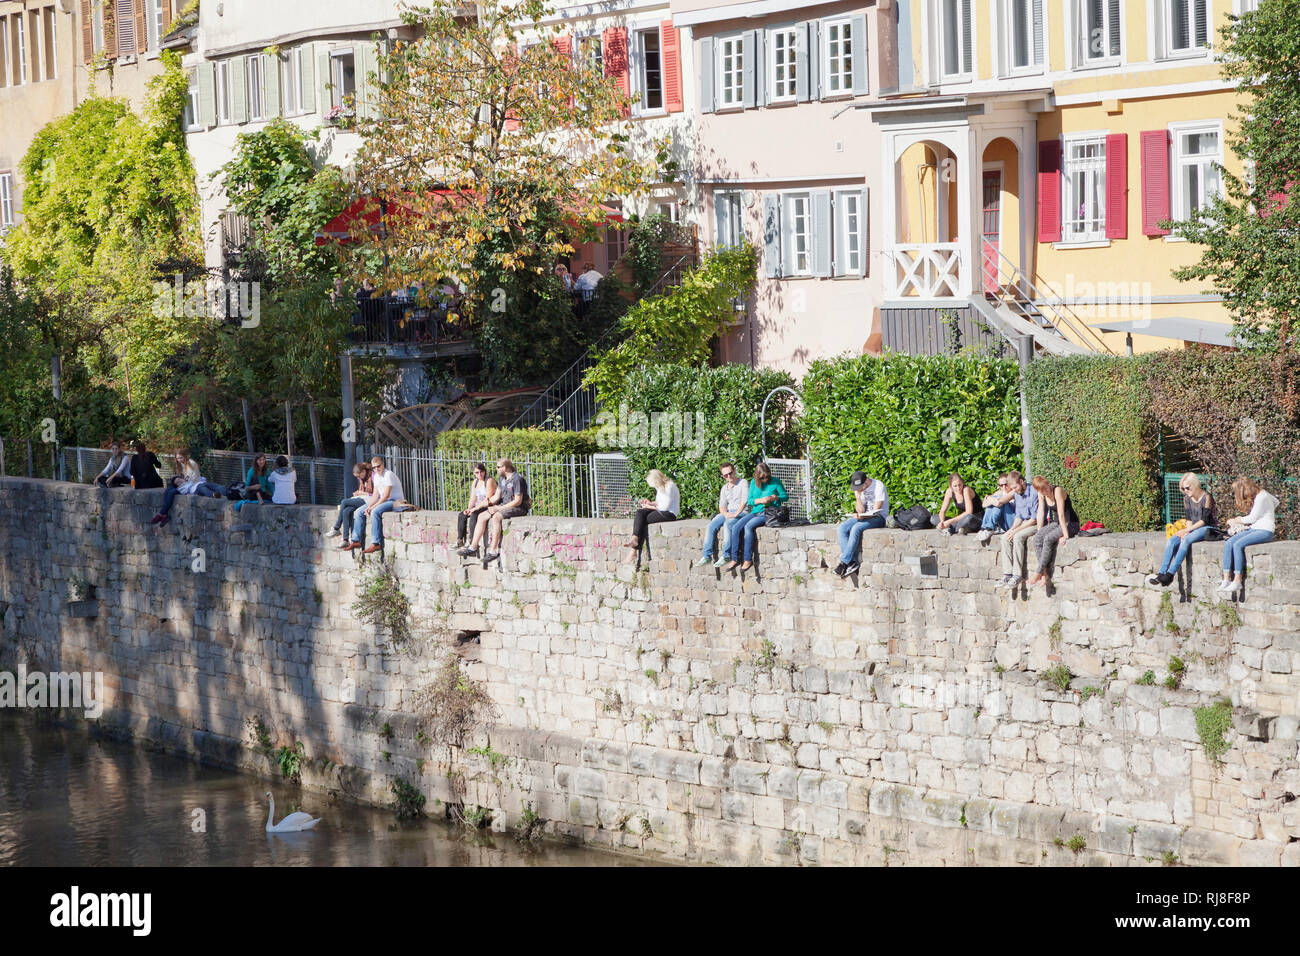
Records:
x=720, y=562
x=1155, y=579
x=492, y=555
x=467, y=551
x=336, y=533
x=985, y=536
x=1007, y=581
x=838, y=570
x=1228, y=585
x=951, y=529
x=701, y=562
x=851, y=569
x=1166, y=579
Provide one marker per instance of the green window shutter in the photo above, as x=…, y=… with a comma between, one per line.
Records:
x=367, y=61
x=239, y=89
x=271, y=82
x=307, y=79
x=207, y=95
x=323, y=81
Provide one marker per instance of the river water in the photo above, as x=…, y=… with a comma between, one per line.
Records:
x=68, y=799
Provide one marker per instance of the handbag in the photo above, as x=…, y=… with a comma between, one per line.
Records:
x=779, y=516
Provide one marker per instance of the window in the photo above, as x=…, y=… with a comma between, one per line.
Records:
x=1247, y=6
x=155, y=25
x=731, y=72
x=1187, y=27
x=1196, y=180
x=839, y=56
x=957, y=48
x=50, y=34
x=1084, y=186
x=20, y=50
x=343, y=80
x=256, y=90
x=6, y=201
x=588, y=52
x=1098, y=32
x=670, y=210
x=1024, y=35
x=797, y=235
x=651, y=69
x=782, y=46
x=223, y=93
x=848, y=213
x=291, y=82
x=728, y=219
x=192, y=100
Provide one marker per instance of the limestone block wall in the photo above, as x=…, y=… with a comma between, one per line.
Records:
x=783, y=716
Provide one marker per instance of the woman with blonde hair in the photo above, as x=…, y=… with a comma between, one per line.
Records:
x=1199, y=510
x=1255, y=527
x=1056, y=522
x=665, y=507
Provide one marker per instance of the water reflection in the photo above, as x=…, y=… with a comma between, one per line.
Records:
x=69, y=799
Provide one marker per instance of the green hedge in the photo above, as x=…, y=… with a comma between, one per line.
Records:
x=909, y=421
x=728, y=400
x=1093, y=435
x=515, y=443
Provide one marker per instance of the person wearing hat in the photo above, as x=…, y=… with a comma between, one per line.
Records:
x=871, y=508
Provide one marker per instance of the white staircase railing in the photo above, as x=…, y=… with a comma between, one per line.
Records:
x=928, y=270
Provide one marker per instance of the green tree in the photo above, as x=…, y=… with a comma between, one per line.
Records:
x=1250, y=254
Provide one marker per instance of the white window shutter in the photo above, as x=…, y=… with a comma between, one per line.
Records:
x=772, y=236
x=821, y=232
x=864, y=233
x=814, y=60
x=708, y=70
x=803, y=82
x=1037, y=52
x=1114, y=27
x=721, y=218
x=760, y=68
x=967, y=37
x=858, y=39
x=749, y=73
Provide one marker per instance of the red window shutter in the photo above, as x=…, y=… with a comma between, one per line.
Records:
x=1155, y=181
x=564, y=45
x=671, y=45
x=1117, y=186
x=87, y=33
x=614, y=49
x=1049, y=190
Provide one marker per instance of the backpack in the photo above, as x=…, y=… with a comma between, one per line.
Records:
x=235, y=492
x=915, y=518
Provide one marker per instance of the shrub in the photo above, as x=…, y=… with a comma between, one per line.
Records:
x=453, y=705
x=1092, y=435
x=909, y=421
x=382, y=603
x=722, y=406
x=514, y=443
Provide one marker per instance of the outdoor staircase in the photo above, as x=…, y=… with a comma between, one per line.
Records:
x=1017, y=307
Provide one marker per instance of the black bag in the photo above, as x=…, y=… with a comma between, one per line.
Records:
x=915, y=518
x=777, y=517
x=1215, y=533
x=235, y=492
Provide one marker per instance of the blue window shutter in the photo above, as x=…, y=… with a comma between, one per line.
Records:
x=858, y=29
x=707, y=72
x=760, y=68
x=747, y=56
x=821, y=232
x=771, y=236
x=802, y=77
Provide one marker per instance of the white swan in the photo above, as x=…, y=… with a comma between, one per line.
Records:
x=290, y=824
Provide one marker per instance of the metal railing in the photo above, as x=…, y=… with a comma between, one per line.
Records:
x=559, y=485
x=1023, y=291
x=400, y=320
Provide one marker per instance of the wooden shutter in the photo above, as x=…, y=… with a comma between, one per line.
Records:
x=239, y=89
x=87, y=32
x=858, y=43
x=803, y=81
x=166, y=18
x=324, y=80
x=124, y=22
x=1155, y=181
x=207, y=95
x=141, y=26
x=772, y=236
x=1037, y=51
x=271, y=84
x=614, y=49
x=1114, y=26
x=814, y=46
x=820, y=201
x=864, y=221
x=967, y=37
x=749, y=75
x=1049, y=190
x=1117, y=186
x=306, y=78
x=708, y=70
x=109, y=15
x=670, y=43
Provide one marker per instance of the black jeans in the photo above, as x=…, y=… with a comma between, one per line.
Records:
x=465, y=522
x=645, y=517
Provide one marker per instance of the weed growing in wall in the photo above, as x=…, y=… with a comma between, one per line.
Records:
x=1211, y=724
x=383, y=604
x=408, y=802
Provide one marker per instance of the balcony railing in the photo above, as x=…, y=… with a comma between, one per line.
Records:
x=401, y=321
x=928, y=270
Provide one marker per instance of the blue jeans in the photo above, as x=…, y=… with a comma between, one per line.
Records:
x=1177, y=549
x=850, y=535
x=376, y=522
x=347, y=510
x=1234, y=549
x=205, y=489
x=715, y=526
x=745, y=530
x=999, y=519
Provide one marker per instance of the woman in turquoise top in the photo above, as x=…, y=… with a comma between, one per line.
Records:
x=764, y=490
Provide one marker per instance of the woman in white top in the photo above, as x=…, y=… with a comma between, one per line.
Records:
x=186, y=481
x=665, y=507
x=285, y=482
x=482, y=492
x=1255, y=527
x=118, y=470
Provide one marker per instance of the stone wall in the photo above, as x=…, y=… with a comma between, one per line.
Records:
x=783, y=716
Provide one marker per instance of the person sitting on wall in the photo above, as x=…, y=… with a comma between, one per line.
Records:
x=1057, y=522
x=514, y=503
x=387, y=491
x=482, y=494
x=1257, y=526
x=118, y=470
x=257, y=482
x=1198, y=509
x=284, y=481
x=871, y=510
x=144, y=467
x=999, y=511
x=969, y=507
x=733, y=498
x=765, y=492
x=348, y=506
x=665, y=507
x=1015, y=543
x=186, y=481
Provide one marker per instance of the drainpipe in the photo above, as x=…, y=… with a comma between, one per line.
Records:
x=1025, y=348
x=349, y=425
